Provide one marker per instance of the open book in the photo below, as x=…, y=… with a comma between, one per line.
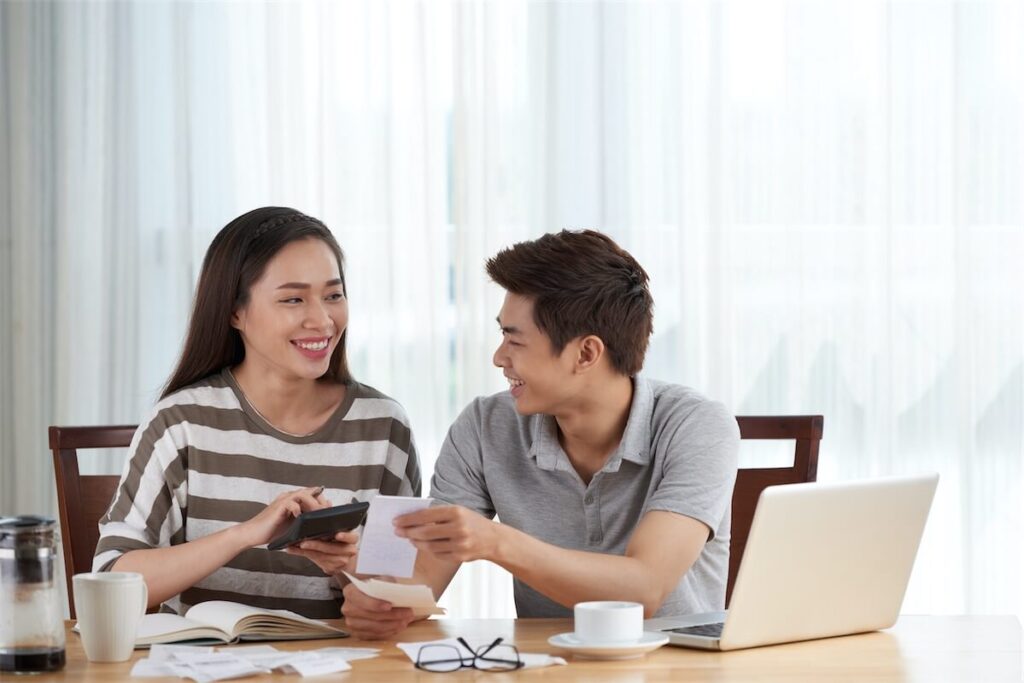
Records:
x=227, y=622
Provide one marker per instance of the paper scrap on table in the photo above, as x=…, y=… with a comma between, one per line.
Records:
x=204, y=664
x=381, y=552
x=315, y=665
x=530, y=660
x=419, y=597
x=204, y=658
x=162, y=652
x=350, y=654
x=201, y=672
x=263, y=656
x=150, y=668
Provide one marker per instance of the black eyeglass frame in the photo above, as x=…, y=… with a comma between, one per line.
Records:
x=477, y=655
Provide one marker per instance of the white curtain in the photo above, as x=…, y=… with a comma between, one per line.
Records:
x=827, y=194
x=135, y=131
x=828, y=198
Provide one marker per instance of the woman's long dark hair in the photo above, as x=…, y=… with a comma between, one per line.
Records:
x=235, y=260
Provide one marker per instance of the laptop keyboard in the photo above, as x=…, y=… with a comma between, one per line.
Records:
x=710, y=630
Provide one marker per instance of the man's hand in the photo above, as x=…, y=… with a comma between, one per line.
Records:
x=451, y=532
x=372, y=619
x=332, y=556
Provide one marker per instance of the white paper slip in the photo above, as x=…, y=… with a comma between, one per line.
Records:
x=205, y=658
x=259, y=656
x=317, y=666
x=349, y=654
x=419, y=597
x=270, y=662
x=220, y=671
x=381, y=552
x=149, y=668
x=162, y=652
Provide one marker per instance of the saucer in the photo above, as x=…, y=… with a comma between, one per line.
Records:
x=631, y=650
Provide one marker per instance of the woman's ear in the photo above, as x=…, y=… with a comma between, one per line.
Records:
x=237, y=319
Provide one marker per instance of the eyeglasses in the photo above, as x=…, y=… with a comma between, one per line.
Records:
x=497, y=656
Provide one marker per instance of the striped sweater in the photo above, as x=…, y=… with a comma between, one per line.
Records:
x=205, y=460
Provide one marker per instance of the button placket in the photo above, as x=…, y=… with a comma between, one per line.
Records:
x=592, y=514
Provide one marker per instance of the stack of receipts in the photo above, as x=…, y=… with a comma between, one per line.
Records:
x=203, y=664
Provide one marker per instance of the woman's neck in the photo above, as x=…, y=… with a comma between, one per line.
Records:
x=294, y=406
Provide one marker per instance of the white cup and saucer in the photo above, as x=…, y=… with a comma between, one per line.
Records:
x=608, y=630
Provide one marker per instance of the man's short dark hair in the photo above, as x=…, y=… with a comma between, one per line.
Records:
x=582, y=283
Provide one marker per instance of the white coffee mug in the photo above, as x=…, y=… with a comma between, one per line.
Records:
x=607, y=623
x=108, y=606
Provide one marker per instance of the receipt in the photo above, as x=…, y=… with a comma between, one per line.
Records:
x=417, y=596
x=317, y=665
x=381, y=552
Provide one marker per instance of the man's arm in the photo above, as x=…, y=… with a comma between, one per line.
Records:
x=371, y=619
x=663, y=547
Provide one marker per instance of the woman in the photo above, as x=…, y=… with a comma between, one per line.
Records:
x=260, y=421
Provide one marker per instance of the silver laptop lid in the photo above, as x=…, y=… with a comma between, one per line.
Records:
x=827, y=559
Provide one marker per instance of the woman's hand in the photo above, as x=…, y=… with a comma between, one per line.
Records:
x=332, y=556
x=274, y=519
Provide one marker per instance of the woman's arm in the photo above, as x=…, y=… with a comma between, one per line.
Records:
x=171, y=570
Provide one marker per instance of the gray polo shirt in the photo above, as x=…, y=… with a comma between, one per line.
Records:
x=678, y=453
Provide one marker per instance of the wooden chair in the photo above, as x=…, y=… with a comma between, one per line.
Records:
x=82, y=499
x=806, y=431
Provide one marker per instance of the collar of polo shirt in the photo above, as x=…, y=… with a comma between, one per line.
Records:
x=635, y=445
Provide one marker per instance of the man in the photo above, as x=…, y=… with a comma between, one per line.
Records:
x=608, y=486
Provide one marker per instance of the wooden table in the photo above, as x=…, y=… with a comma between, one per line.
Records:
x=976, y=648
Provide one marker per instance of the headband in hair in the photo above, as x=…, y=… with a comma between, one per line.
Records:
x=269, y=225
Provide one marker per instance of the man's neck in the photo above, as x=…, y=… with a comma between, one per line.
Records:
x=590, y=431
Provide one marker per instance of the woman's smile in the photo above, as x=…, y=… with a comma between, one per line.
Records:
x=313, y=347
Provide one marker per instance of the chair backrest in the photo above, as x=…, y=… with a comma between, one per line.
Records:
x=82, y=499
x=805, y=430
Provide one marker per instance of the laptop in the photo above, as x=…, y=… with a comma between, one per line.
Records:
x=821, y=560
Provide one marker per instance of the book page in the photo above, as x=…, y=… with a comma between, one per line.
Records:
x=237, y=619
x=163, y=628
x=222, y=614
x=381, y=552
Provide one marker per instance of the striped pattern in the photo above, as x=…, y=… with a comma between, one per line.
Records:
x=205, y=460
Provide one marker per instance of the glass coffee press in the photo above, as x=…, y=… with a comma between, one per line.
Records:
x=31, y=613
